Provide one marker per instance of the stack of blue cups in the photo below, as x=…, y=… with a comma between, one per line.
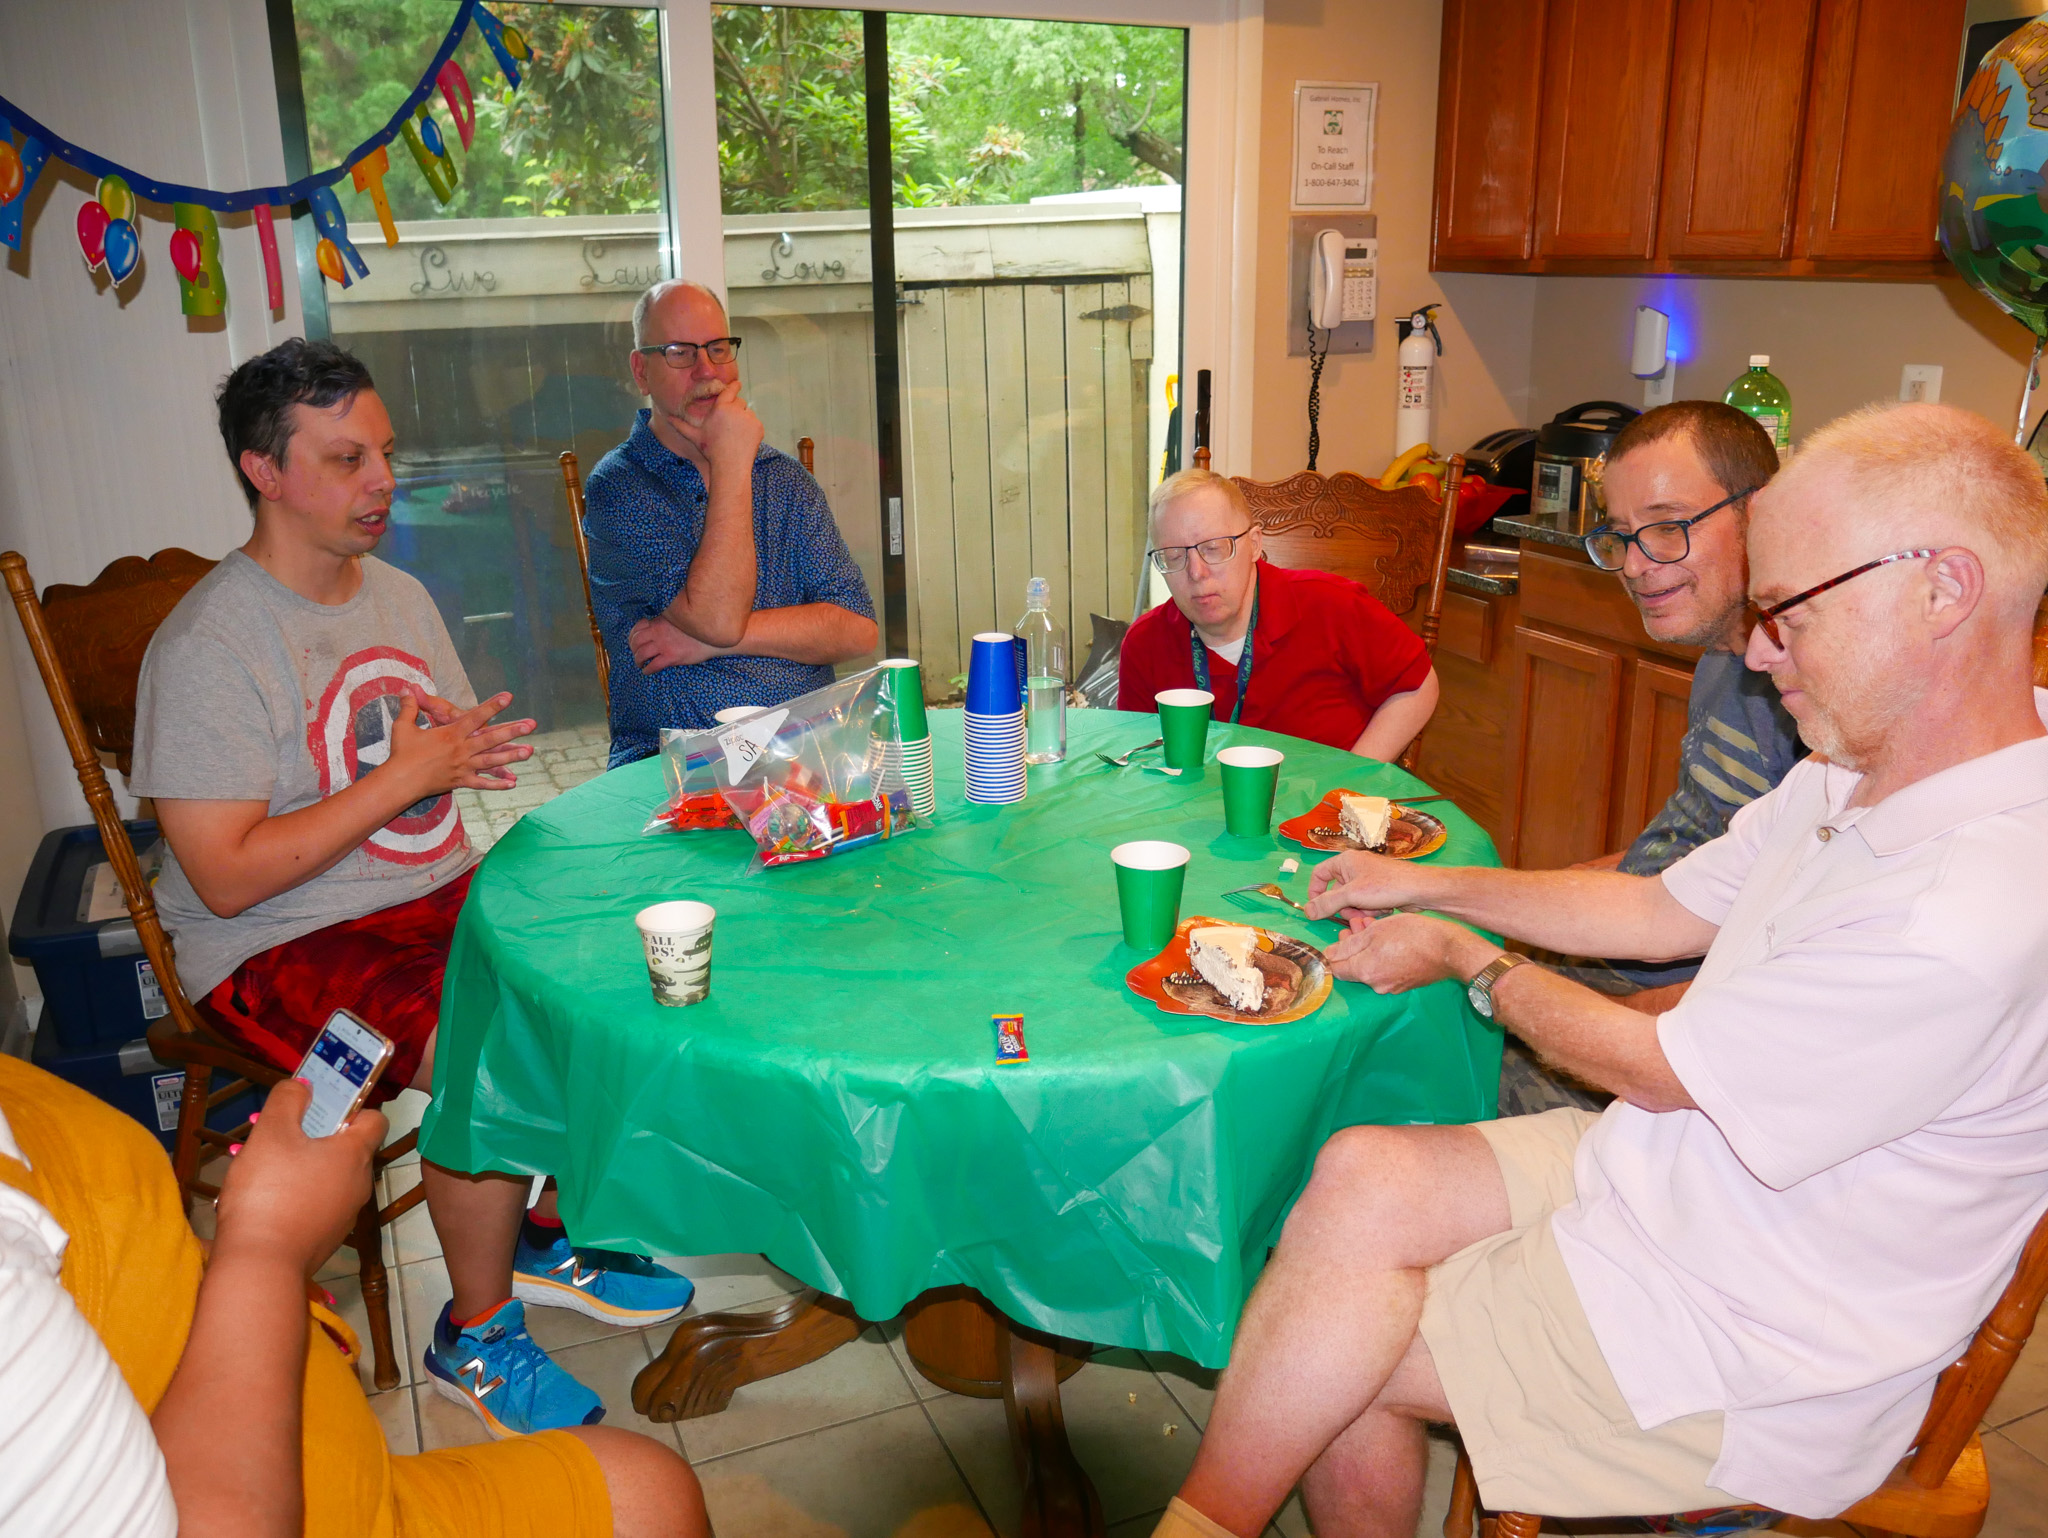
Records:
x=994, y=728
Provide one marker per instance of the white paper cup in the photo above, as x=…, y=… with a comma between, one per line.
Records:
x=677, y=939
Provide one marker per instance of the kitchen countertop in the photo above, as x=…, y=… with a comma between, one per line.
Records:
x=1500, y=583
x=1544, y=528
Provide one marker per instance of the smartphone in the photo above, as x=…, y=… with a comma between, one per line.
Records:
x=346, y=1060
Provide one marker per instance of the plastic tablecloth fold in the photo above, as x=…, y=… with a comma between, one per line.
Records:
x=836, y=1104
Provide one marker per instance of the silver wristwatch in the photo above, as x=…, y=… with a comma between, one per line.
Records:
x=1480, y=989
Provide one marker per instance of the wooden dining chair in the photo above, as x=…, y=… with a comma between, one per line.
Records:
x=1940, y=1489
x=807, y=453
x=88, y=644
x=1397, y=544
x=572, y=480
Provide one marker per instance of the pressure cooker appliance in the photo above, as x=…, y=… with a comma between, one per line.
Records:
x=1571, y=452
x=1506, y=458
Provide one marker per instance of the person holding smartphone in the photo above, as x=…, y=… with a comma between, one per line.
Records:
x=302, y=723
x=259, y=1420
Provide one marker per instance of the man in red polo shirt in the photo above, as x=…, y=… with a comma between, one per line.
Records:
x=1312, y=655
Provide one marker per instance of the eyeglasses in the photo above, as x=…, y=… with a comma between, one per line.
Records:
x=720, y=349
x=1663, y=542
x=1213, y=551
x=1768, y=618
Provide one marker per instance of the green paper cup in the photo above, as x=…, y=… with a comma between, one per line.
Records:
x=1184, y=723
x=1148, y=881
x=1250, y=778
x=906, y=697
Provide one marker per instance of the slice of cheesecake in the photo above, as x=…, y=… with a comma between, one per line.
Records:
x=1365, y=820
x=1222, y=954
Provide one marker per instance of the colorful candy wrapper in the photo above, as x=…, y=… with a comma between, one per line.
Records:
x=693, y=796
x=1010, y=1046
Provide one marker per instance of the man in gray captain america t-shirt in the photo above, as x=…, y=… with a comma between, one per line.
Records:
x=1677, y=485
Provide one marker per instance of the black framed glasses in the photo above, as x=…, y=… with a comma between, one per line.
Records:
x=1662, y=542
x=720, y=349
x=1213, y=551
x=1768, y=618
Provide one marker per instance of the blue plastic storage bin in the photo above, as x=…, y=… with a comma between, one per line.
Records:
x=99, y=990
x=130, y=1079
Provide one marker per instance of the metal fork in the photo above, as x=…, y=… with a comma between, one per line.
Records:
x=1125, y=760
x=1269, y=889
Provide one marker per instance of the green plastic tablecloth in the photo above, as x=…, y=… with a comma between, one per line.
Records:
x=836, y=1105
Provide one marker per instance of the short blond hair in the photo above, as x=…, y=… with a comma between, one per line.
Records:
x=1937, y=474
x=1184, y=483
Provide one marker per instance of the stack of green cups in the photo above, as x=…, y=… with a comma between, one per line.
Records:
x=1251, y=776
x=1184, y=724
x=1149, y=874
x=905, y=692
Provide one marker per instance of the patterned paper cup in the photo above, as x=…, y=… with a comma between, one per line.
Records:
x=1184, y=723
x=677, y=939
x=1149, y=874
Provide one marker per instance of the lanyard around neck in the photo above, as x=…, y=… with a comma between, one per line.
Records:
x=1244, y=660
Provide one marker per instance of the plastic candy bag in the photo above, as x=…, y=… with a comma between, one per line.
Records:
x=693, y=795
x=815, y=777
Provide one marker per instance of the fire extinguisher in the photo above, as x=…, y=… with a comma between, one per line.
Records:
x=1418, y=385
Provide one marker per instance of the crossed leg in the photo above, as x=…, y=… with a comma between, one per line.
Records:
x=1328, y=1376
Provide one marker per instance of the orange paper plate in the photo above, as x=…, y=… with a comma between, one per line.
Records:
x=1163, y=979
x=1413, y=834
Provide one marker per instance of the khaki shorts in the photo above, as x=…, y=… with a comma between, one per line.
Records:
x=1542, y=1419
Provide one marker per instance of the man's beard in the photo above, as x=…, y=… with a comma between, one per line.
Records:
x=1852, y=726
x=1709, y=633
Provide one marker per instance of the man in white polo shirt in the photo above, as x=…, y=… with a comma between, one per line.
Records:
x=1739, y=1283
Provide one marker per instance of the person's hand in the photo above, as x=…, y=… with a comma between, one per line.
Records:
x=658, y=643
x=464, y=752
x=290, y=1197
x=1357, y=885
x=1409, y=950
x=730, y=435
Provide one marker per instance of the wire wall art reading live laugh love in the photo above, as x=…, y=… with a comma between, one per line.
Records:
x=110, y=224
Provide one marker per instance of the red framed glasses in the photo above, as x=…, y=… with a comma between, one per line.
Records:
x=1768, y=618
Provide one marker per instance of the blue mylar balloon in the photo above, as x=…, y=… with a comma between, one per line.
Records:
x=124, y=249
x=430, y=134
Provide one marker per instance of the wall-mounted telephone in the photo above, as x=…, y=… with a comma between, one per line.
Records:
x=1343, y=279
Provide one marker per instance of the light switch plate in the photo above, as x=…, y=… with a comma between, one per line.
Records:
x=1920, y=382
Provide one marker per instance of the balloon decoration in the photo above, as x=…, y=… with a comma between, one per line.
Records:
x=195, y=252
x=92, y=234
x=109, y=225
x=1994, y=225
x=423, y=138
x=19, y=169
x=123, y=246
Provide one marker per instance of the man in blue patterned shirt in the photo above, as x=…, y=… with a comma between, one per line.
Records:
x=717, y=573
x=1677, y=487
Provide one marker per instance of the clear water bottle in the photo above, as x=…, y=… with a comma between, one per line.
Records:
x=1763, y=395
x=1044, y=646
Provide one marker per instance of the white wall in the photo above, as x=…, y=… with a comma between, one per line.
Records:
x=107, y=439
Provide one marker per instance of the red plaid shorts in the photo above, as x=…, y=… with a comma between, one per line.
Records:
x=385, y=966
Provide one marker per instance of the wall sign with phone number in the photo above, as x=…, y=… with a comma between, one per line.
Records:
x=1333, y=143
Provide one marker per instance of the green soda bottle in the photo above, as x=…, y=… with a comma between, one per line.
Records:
x=1763, y=395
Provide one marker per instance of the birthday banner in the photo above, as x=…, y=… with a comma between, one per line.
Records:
x=110, y=225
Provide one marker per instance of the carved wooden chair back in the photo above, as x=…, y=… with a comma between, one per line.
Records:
x=1397, y=543
x=1941, y=1489
x=88, y=644
x=572, y=480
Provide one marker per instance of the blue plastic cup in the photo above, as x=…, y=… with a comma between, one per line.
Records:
x=992, y=687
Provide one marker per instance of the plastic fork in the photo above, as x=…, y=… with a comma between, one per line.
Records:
x=1269, y=889
x=1125, y=760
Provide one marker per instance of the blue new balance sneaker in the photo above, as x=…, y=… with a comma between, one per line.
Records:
x=494, y=1367
x=610, y=1285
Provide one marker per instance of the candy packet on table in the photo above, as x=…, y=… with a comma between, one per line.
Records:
x=693, y=799
x=817, y=776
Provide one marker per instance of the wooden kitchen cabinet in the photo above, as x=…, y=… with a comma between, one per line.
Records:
x=1738, y=113
x=1567, y=709
x=1605, y=68
x=1761, y=137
